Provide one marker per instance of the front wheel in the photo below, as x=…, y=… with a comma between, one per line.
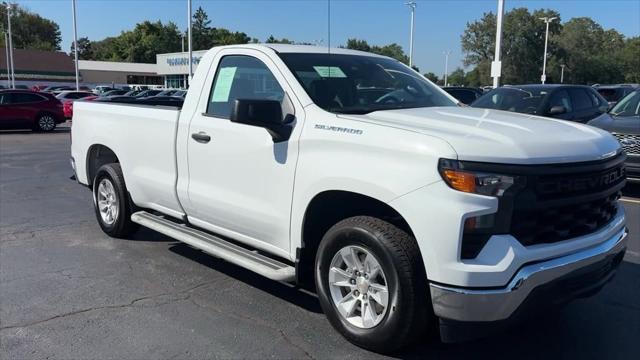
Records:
x=371, y=283
x=111, y=202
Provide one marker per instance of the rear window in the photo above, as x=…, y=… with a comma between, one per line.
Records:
x=610, y=94
x=513, y=99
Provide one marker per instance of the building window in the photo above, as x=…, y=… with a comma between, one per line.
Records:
x=144, y=80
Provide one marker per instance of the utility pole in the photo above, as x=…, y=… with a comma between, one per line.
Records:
x=184, y=77
x=562, y=73
x=75, y=42
x=189, y=41
x=446, y=65
x=6, y=48
x=412, y=5
x=13, y=73
x=496, y=65
x=547, y=20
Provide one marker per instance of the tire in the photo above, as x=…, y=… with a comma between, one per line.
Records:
x=45, y=123
x=110, y=194
x=407, y=313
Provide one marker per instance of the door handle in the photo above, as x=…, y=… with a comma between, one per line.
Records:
x=201, y=137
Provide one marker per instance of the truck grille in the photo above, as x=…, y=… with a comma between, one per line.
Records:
x=563, y=222
x=575, y=202
x=630, y=143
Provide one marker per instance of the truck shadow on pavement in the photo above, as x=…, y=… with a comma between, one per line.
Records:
x=606, y=325
x=286, y=292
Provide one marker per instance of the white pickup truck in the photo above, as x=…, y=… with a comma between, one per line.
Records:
x=350, y=173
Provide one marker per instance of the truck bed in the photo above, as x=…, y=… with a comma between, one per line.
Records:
x=144, y=137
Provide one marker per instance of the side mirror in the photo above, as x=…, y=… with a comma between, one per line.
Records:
x=557, y=110
x=263, y=113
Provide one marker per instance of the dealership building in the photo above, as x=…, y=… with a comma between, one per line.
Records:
x=36, y=67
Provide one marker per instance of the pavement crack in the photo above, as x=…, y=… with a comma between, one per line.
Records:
x=175, y=296
x=252, y=320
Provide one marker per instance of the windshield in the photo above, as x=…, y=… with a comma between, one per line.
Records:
x=629, y=106
x=512, y=99
x=356, y=84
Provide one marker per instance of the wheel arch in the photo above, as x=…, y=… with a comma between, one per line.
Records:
x=326, y=209
x=98, y=155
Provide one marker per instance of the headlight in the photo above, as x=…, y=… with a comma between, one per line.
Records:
x=457, y=177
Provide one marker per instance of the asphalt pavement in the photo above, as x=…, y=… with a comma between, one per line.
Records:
x=69, y=291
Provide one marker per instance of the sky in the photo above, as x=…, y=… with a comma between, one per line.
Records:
x=438, y=23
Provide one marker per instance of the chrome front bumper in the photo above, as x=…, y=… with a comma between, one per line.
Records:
x=475, y=305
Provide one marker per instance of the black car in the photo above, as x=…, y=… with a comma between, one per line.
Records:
x=465, y=95
x=567, y=102
x=116, y=92
x=623, y=121
x=614, y=93
x=148, y=93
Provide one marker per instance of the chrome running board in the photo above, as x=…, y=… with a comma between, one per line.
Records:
x=211, y=244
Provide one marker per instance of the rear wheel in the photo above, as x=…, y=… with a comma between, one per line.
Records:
x=371, y=283
x=111, y=202
x=45, y=122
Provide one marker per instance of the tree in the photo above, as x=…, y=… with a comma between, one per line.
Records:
x=272, y=40
x=456, y=78
x=31, y=31
x=630, y=57
x=522, y=44
x=432, y=77
x=201, y=37
x=392, y=50
x=592, y=54
x=85, y=50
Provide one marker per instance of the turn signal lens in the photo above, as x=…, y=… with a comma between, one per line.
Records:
x=459, y=177
x=460, y=180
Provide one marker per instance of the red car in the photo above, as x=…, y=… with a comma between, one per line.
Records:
x=67, y=106
x=25, y=109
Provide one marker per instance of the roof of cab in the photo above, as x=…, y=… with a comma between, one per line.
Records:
x=307, y=49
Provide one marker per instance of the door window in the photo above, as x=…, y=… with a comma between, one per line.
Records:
x=241, y=77
x=561, y=98
x=5, y=99
x=24, y=98
x=580, y=99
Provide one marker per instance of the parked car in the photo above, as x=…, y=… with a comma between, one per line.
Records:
x=114, y=92
x=623, y=121
x=25, y=109
x=133, y=92
x=400, y=208
x=71, y=95
x=98, y=90
x=614, y=93
x=180, y=93
x=168, y=92
x=568, y=102
x=465, y=95
x=148, y=93
x=67, y=106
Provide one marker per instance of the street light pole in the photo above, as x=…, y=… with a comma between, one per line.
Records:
x=547, y=20
x=75, y=46
x=496, y=65
x=6, y=48
x=412, y=5
x=446, y=65
x=189, y=41
x=13, y=73
x=562, y=73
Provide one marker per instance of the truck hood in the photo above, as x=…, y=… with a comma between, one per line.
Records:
x=499, y=136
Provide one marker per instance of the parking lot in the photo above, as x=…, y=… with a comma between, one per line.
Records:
x=69, y=291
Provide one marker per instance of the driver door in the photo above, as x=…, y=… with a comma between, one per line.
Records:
x=240, y=181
